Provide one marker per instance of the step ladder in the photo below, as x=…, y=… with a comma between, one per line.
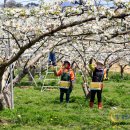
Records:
x=46, y=78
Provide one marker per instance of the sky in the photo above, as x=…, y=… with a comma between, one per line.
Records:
x=36, y=1
x=23, y=1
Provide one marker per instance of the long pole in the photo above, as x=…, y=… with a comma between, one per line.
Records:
x=11, y=77
x=12, y=89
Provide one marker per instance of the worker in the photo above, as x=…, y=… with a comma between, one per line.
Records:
x=67, y=80
x=96, y=85
x=52, y=59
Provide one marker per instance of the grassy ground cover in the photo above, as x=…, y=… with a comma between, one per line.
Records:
x=35, y=110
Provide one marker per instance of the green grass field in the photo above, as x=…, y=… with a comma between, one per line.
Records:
x=35, y=110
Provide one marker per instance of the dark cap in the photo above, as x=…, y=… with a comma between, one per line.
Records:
x=66, y=62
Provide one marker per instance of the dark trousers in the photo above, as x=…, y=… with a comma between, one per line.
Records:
x=52, y=58
x=99, y=95
x=67, y=92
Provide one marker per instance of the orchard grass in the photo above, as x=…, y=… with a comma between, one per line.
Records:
x=36, y=110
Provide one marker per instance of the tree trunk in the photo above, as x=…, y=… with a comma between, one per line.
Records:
x=122, y=68
x=122, y=71
x=107, y=73
x=2, y=69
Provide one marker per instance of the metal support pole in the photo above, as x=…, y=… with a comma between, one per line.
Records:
x=40, y=73
x=12, y=89
x=32, y=78
x=11, y=77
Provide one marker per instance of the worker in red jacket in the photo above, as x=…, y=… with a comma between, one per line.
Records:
x=67, y=80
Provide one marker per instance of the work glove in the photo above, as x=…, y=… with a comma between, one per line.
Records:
x=90, y=61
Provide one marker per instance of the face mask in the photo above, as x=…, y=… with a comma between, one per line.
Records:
x=67, y=66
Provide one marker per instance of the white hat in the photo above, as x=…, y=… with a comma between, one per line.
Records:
x=101, y=62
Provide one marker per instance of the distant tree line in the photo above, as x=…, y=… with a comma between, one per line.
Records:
x=14, y=4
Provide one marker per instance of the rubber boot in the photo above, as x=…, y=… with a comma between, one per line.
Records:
x=91, y=104
x=100, y=105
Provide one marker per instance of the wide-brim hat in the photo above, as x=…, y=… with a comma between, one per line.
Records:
x=100, y=62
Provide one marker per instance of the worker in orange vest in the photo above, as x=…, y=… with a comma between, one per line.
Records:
x=67, y=80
